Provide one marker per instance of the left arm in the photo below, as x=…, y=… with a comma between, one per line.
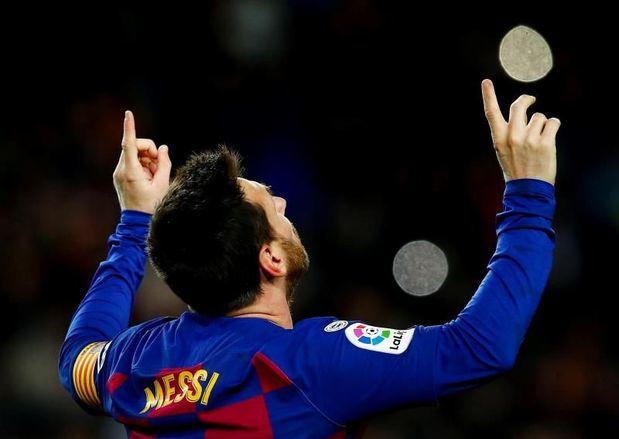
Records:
x=141, y=178
x=351, y=373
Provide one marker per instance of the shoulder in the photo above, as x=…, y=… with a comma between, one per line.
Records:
x=328, y=342
x=145, y=328
x=305, y=334
x=331, y=331
x=136, y=337
x=315, y=328
x=319, y=323
x=327, y=358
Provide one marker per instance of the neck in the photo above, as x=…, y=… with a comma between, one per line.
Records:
x=270, y=305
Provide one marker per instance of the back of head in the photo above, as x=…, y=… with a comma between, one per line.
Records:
x=205, y=237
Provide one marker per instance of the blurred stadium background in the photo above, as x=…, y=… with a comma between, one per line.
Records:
x=367, y=117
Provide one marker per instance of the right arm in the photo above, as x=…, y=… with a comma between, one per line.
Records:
x=141, y=179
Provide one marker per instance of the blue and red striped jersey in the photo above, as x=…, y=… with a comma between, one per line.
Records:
x=222, y=377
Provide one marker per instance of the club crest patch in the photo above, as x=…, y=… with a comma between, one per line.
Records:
x=373, y=338
x=336, y=326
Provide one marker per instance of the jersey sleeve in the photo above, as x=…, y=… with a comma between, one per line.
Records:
x=352, y=370
x=104, y=312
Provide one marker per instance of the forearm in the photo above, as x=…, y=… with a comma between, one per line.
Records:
x=485, y=337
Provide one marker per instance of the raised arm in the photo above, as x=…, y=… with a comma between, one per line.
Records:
x=353, y=370
x=485, y=337
x=141, y=179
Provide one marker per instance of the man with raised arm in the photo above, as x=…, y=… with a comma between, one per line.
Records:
x=234, y=365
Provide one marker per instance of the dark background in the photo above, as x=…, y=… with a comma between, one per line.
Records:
x=367, y=117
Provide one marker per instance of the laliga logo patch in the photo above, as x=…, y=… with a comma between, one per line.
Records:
x=373, y=338
x=370, y=334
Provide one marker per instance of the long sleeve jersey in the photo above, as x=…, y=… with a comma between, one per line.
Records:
x=221, y=377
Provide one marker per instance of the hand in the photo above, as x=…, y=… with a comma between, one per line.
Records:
x=142, y=175
x=524, y=150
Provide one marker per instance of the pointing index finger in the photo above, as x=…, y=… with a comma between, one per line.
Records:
x=491, y=107
x=129, y=136
x=129, y=142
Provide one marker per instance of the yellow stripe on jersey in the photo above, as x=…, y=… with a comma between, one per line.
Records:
x=84, y=374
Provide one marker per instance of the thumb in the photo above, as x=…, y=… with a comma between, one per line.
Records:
x=164, y=166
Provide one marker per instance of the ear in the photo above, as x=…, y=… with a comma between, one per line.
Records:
x=271, y=259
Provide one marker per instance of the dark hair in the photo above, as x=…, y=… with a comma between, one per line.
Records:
x=205, y=237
